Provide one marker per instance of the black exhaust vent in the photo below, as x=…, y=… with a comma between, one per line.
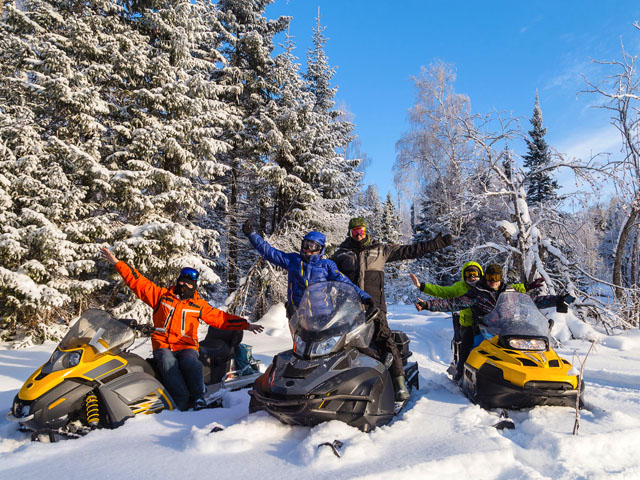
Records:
x=292, y=372
x=554, y=363
x=482, y=352
x=493, y=357
x=527, y=363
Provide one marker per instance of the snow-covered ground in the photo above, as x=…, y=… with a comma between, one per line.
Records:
x=439, y=435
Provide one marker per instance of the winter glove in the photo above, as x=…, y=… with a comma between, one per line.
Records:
x=370, y=309
x=248, y=228
x=562, y=305
x=443, y=241
x=537, y=283
x=423, y=305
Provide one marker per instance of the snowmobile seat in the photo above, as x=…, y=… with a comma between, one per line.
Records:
x=137, y=363
x=216, y=352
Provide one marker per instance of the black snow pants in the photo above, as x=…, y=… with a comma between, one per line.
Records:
x=383, y=338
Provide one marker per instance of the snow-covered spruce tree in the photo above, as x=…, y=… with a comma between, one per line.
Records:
x=390, y=222
x=541, y=186
x=333, y=175
x=111, y=129
x=247, y=43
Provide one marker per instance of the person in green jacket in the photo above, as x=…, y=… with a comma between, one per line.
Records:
x=463, y=330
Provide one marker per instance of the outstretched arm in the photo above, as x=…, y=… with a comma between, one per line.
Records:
x=269, y=253
x=418, y=249
x=145, y=289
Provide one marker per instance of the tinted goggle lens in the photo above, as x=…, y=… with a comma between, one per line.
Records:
x=191, y=273
x=311, y=246
x=357, y=231
x=471, y=274
x=493, y=277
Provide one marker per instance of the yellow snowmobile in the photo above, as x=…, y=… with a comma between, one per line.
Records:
x=514, y=366
x=89, y=381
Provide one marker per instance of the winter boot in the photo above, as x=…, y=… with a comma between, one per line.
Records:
x=400, y=389
x=200, y=403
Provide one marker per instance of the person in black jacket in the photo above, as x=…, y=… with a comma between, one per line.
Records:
x=362, y=260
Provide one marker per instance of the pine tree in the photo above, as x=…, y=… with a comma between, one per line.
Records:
x=390, y=222
x=111, y=134
x=541, y=187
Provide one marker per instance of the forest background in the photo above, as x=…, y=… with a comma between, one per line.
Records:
x=158, y=128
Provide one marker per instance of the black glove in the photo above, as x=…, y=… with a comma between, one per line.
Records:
x=561, y=305
x=248, y=228
x=423, y=305
x=537, y=283
x=443, y=241
x=370, y=308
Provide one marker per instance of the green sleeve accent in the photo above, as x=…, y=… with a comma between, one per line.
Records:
x=519, y=287
x=452, y=291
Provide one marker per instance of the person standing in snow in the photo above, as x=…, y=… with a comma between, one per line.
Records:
x=304, y=268
x=362, y=260
x=177, y=311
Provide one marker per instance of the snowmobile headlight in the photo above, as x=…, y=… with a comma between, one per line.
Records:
x=527, y=343
x=325, y=347
x=299, y=345
x=73, y=358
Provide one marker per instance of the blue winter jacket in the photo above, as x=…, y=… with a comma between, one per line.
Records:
x=301, y=273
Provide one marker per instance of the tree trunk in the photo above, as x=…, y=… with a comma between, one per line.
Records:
x=232, y=237
x=625, y=233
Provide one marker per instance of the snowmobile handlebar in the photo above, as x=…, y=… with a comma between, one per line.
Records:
x=133, y=324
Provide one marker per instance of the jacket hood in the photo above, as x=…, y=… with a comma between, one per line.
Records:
x=471, y=264
x=318, y=237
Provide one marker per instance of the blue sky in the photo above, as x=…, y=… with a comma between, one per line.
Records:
x=503, y=52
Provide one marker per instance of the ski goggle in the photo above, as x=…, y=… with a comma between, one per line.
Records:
x=311, y=246
x=358, y=231
x=493, y=277
x=471, y=274
x=189, y=272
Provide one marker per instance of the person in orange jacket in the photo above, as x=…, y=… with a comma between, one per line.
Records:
x=177, y=311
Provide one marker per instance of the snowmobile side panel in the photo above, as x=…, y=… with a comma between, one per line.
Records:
x=123, y=393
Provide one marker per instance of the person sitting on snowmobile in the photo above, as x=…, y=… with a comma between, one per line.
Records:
x=362, y=259
x=176, y=314
x=462, y=323
x=482, y=298
x=304, y=268
x=464, y=329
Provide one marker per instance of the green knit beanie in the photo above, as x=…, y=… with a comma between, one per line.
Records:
x=357, y=222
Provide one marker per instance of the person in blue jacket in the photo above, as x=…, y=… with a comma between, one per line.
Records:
x=304, y=268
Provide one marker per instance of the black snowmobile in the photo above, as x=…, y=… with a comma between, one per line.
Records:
x=331, y=373
x=92, y=381
x=514, y=366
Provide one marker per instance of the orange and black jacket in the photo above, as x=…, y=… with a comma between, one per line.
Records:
x=176, y=321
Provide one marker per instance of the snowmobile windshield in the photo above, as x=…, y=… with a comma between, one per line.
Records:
x=516, y=315
x=328, y=309
x=98, y=329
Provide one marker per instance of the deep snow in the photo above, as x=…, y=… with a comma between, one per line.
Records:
x=439, y=435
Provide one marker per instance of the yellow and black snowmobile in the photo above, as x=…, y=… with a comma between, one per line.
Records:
x=89, y=381
x=514, y=366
